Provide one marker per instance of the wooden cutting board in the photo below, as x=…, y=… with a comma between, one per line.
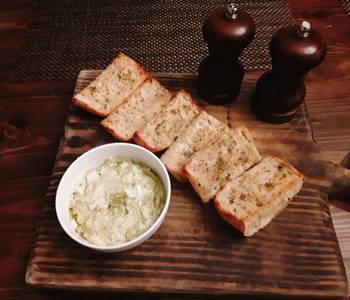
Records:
x=195, y=251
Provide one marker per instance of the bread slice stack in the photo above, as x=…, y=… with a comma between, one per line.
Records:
x=143, y=105
x=249, y=202
x=117, y=82
x=229, y=156
x=160, y=132
x=220, y=163
x=201, y=132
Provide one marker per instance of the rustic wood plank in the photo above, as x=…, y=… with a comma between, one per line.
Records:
x=39, y=88
x=341, y=224
x=334, y=25
x=19, y=207
x=30, y=134
x=326, y=131
x=294, y=255
x=329, y=115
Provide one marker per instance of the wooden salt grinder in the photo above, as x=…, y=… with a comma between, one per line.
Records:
x=227, y=31
x=294, y=50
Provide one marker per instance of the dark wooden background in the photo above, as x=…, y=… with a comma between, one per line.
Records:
x=32, y=116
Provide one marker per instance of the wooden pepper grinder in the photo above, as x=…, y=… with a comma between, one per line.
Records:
x=294, y=50
x=227, y=31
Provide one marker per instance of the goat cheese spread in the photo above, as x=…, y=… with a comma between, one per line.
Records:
x=116, y=202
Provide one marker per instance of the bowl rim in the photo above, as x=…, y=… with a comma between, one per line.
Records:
x=142, y=237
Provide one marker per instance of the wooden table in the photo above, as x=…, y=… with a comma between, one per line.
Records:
x=31, y=124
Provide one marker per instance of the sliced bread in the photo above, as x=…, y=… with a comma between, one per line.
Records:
x=112, y=86
x=160, y=132
x=201, y=132
x=228, y=157
x=143, y=105
x=249, y=202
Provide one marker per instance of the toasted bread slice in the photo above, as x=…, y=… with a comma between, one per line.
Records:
x=143, y=105
x=160, y=132
x=201, y=132
x=226, y=158
x=112, y=86
x=249, y=202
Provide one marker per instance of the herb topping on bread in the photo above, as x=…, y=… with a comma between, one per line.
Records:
x=227, y=157
x=201, y=132
x=112, y=86
x=250, y=201
x=143, y=105
x=160, y=132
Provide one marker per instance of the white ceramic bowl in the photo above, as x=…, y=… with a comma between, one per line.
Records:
x=93, y=159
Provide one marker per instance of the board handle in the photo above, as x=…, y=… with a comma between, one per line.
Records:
x=340, y=188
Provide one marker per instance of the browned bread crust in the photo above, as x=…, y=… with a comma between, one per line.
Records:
x=102, y=105
x=158, y=134
x=250, y=201
x=201, y=132
x=227, y=157
x=140, y=141
x=88, y=107
x=142, y=105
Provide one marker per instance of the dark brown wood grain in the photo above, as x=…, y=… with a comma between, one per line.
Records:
x=19, y=207
x=195, y=252
x=329, y=108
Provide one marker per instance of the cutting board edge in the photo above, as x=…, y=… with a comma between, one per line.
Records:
x=31, y=281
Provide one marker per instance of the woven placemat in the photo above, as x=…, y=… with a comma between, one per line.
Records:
x=66, y=36
x=346, y=5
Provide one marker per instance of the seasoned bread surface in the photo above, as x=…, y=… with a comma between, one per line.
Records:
x=250, y=201
x=112, y=86
x=226, y=158
x=143, y=105
x=160, y=132
x=201, y=132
